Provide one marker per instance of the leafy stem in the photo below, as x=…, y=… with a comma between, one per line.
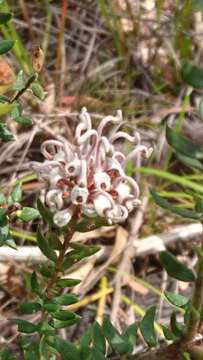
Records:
x=55, y=276
x=26, y=87
x=59, y=263
x=197, y=301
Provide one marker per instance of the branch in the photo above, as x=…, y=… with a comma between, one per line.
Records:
x=172, y=352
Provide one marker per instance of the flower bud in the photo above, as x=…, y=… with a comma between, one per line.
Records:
x=54, y=199
x=79, y=195
x=89, y=211
x=114, y=167
x=54, y=176
x=62, y=218
x=123, y=191
x=102, y=181
x=73, y=168
x=102, y=204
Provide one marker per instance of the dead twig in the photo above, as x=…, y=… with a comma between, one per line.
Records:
x=125, y=264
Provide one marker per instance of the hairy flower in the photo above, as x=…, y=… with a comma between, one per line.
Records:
x=87, y=177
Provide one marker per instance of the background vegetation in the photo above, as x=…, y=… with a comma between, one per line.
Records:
x=145, y=58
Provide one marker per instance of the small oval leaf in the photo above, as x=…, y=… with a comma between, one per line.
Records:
x=147, y=327
x=176, y=299
x=63, y=283
x=174, y=268
x=28, y=214
x=38, y=90
x=4, y=17
x=183, y=145
x=30, y=307
x=45, y=248
x=60, y=324
x=192, y=75
x=65, y=299
x=23, y=120
x=26, y=327
x=5, y=46
x=66, y=349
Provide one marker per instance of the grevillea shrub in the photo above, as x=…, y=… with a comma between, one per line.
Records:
x=84, y=185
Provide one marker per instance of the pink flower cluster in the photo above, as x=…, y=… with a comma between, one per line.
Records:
x=87, y=177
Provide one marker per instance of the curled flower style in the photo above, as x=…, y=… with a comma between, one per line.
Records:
x=87, y=177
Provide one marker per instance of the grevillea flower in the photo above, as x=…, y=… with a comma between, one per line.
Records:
x=87, y=177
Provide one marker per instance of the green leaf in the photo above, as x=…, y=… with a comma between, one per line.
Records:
x=30, y=307
x=17, y=110
x=47, y=269
x=6, y=108
x=65, y=315
x=5, y=46
x=2, y=199
x=66, y=349
x=4, y=99
x=3, y=217
x=24, y=120
x=20, y=82
x=81, y=247
x=95, y=354
x=177, y=329
x=46, y=329
x=11, y=243
x=192, y=75
x=174, y=268
x=98, y=338
x=191, y=214
x=188, y=161
x=114, y=338
x=26, y=327
x=44, y=212
x=86, y=337
x=28, y=214
x=182, y=144
x=200, y=108
x=198, y=205
x=38, y=90
x=4, y=233
x=176, y=299
x=88, y=224
x=168, y=333
x=88, y=345
x=147, y=327
x=197, y=5
x=80, y=252
x=65, y=299
x=60, y=324
x=50, y=307
x=5, y=355
x=65, y=283
x=32, y=353
x=5, y=134
x=44, y=247
x=35, y=285
x=129, y=337
x=4, y=17
x=53, y=240
x=16, y=193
